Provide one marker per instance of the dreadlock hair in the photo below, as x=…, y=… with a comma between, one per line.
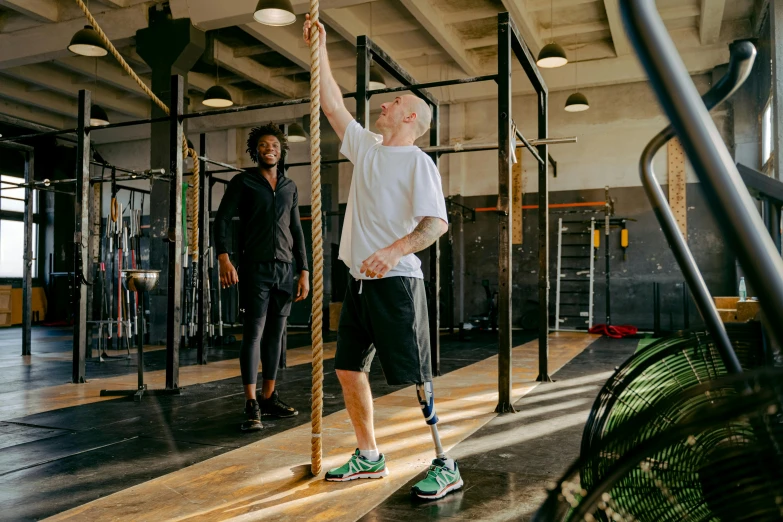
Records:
x=257, y=133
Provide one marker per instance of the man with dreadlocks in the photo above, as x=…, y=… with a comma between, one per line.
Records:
x=271, y=239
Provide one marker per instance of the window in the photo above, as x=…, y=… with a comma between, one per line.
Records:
x=12, y=227
x=767, y=146
x=12, y=196
x=12, y=248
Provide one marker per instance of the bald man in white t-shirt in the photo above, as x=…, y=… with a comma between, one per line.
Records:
x=395, y=208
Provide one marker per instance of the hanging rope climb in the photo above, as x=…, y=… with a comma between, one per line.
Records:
x=318, y=251
x=195, y=181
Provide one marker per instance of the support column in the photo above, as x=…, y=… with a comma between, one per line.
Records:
x=772, y=217
x=203, y=246
x=543, y=242
x=776, y=45
x=434, y=304
x=27, y=275
x=174, y=234
x=363, y=60
x=170, y=47
x=81, y=234
x=504, y=220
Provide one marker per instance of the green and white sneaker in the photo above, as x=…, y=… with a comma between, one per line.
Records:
x=439, y=482
x=358, y=467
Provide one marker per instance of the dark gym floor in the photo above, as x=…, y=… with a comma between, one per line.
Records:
x=507, y=463
x=60, y=459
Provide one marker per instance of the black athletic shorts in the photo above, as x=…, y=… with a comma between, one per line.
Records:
x=387, y=315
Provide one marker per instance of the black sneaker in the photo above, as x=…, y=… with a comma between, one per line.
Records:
x=274, y=407
x=253, y=412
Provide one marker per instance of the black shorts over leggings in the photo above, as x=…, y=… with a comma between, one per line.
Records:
x=387, y=315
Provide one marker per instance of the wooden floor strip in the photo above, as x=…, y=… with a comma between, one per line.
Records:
x=270, y=480
x=29, y=402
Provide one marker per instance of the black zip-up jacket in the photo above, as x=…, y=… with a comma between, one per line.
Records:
x=270, y=228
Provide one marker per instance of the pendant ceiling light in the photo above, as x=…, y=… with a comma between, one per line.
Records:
x=98, y=116
x=376, y=79
x=217, y=96
x=274, y=12
x=577, y=102
x=296, y=133
x=86, y=42
x=552, y=55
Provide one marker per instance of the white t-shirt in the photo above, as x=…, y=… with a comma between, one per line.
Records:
x=392, y=189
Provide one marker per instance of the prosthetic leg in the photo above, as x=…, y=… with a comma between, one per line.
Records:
x=427, y=401
x=443, y=476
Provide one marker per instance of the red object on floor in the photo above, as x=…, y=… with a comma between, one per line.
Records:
x=615, y=332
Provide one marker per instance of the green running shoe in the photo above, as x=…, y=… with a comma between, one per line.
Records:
x=439, y=482
x=358, y=467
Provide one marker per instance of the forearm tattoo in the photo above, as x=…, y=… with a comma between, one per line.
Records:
x=426, y=233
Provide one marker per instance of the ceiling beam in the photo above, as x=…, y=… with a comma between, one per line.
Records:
x=448, y=38
x=469, y=15
x=546, y=5
x=256, y=73
x=50, y=41
x=710, y=20
x=41, y=10
x=527, y=24
x=594, y=73
x=212, y=14
x=35, y=115
x=108, y=72
x=400, y=26
x=61, y=81
x=251, y=50
x=620, y=41
x=672, y=13
x=16, y=91
x=288, y=41
x=347, y=24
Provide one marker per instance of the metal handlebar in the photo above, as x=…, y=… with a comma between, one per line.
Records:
x=743, y=55
x=727, y=196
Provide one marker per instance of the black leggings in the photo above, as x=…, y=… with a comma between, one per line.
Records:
x=262, y=332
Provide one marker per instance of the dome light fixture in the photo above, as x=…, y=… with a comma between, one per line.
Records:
x=98, y=116
x=577, y=102
x=274, y=12
x=86, y=42
x=217, y=96
x=296, y=133
x=552, y=55
x=376, y=79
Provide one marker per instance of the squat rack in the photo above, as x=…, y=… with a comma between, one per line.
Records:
x=508, y=39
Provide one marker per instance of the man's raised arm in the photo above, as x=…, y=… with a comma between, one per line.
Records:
x=331, y=97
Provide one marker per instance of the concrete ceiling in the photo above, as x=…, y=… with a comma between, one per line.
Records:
x=433, y=39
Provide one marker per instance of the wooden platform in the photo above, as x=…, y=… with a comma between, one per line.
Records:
x=28, y=402
x=270, y=479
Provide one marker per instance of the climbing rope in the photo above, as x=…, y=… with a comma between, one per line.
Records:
x=318, y=250
x=195, y=178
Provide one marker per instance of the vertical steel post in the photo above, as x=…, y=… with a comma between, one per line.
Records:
x=363, y=60
x=434, y=305
x=504, y=219
x=27, y=275
x=81, y=233
x=203, y=245
x=543, y=240
x=174, y=309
